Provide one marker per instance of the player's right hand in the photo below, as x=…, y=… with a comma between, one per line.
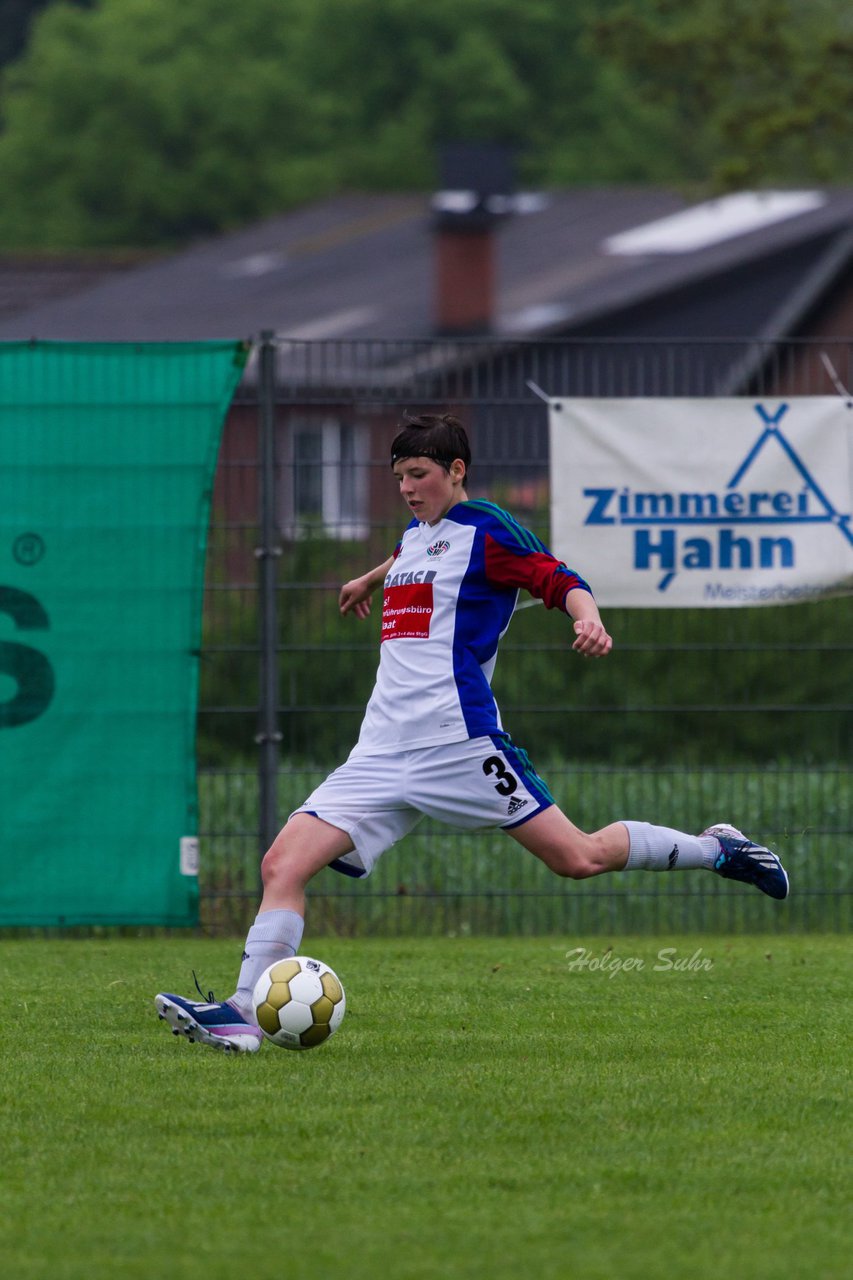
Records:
x=355, y=598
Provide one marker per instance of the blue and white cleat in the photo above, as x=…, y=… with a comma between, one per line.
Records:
x=209, y=1022
x=741, y=859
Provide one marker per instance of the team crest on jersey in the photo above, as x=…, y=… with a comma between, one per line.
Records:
x=438, y=549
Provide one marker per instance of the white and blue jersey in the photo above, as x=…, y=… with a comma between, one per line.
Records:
x=448, y=599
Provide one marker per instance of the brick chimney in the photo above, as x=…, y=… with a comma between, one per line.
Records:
x=476, y=184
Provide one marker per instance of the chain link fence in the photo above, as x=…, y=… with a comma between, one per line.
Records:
x=698, y=716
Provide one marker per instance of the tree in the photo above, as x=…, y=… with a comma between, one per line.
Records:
x=16, y=17
x=755, y=91
x=186, y=118
x=415, y=75
x=193, y=118
x=139, y=122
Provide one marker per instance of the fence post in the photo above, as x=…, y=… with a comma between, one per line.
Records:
x=268, y=736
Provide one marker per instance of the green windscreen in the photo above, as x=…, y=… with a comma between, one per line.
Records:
x=107, y=456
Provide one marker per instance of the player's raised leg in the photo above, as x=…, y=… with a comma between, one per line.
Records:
x=646, y=846
x=568, y=851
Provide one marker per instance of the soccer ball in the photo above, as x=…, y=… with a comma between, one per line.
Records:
x=299, y=1003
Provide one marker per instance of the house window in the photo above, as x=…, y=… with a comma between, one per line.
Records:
x=308, y=476
x=328, y=488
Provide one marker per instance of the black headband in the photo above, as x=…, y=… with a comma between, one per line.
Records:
x=444, y=459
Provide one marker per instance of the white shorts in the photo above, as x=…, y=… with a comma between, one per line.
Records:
x=378, y=799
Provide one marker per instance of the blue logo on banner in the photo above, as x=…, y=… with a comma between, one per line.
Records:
x=663, y=548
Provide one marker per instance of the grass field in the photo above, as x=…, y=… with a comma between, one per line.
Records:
x=489, y=1108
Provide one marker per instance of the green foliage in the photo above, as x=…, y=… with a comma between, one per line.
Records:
x=326, y=663
x=438, y=880
x=188, y=118
x=484, y=1110
x=140, y=122
x=753, y=91
x=16, y=18
x=193, y=118
x=686, y=686
x=681, y=687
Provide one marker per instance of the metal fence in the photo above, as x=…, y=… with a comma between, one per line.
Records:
x=698, y=716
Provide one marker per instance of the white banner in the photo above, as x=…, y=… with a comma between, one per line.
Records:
x=673, y=503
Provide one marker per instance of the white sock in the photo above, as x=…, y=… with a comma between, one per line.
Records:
x=664, y=849
x=275, y=935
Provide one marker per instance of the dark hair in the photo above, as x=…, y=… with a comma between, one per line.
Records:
x=438, y=436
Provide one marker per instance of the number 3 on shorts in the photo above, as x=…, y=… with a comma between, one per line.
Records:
x=505, y=782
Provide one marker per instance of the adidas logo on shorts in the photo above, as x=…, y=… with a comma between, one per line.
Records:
x=514, y=805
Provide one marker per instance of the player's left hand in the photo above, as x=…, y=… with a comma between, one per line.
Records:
x=592, y=639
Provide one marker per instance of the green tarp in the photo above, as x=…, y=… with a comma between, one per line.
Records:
x=107, y=456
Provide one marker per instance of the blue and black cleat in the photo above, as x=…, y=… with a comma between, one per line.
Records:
x=741, y=859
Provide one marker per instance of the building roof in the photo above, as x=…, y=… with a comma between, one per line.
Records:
x=583, y=261
x=29, y=281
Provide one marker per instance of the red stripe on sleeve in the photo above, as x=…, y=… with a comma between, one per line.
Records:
x=545, y=577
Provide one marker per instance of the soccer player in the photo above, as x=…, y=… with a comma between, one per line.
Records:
x=432, y=741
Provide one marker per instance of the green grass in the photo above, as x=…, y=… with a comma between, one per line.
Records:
x=484, y=1111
